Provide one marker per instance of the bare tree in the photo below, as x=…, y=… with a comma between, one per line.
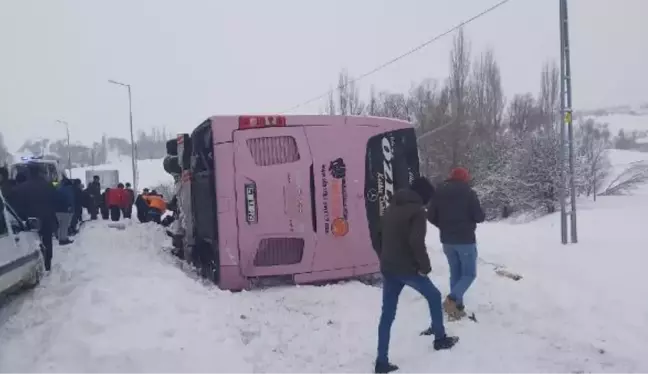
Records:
x=549, y=95
x=392, y=105
x=372, y=108
x=349, y=102
x=330, y=104
x=457, y=82
x=488, y=150
x=487, y=96
x=593, y=165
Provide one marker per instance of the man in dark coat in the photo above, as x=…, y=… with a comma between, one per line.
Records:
x=130, y=197
x=105, y=213
x=142, y=206
x=95, y=197
x=78, y=206
x=35, y=197
x=456, y=211
x=404, y=262
x=64, y=208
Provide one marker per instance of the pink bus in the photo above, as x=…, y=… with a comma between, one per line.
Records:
x=291, y=198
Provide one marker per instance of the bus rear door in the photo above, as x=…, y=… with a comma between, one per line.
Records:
x=273, y=194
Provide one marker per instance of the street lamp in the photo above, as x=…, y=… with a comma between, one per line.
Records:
x=67, y=131
x=130, y=112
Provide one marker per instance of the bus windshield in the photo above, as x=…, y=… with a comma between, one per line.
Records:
x=391, y=163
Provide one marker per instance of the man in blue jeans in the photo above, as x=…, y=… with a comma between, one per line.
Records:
x=404, y=262
x=456, y=211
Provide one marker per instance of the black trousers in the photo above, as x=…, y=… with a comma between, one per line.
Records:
x=105, y=213
x=93, y=211
x=128, y=211
x=115, y=213
x=46, y=232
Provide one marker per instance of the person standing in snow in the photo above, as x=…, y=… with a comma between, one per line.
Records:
x=142, y=206
x=95, y=197
x=64, y=210
x=404, y=262
x=116, y=200
x=130, y=200
x=456, y=211
x=78, y=206
x=36, y=197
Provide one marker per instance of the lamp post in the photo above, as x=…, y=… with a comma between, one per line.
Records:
x=130, y=113
x=566, y=134
x=67, y=132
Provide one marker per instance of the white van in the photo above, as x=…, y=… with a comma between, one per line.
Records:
x=21, y=262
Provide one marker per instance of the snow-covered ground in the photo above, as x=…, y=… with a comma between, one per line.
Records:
x=626, y=119
x=627, y=122
x=117, y=301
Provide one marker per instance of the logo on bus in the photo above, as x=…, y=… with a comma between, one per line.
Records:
x=386, y=180
x=334, y=195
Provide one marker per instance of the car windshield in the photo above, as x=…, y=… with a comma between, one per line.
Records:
x=48, y=170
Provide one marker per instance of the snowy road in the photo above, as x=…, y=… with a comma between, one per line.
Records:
x=115, y=302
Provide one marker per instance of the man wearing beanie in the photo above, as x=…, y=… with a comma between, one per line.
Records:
x=404, y=262
x=456, y=211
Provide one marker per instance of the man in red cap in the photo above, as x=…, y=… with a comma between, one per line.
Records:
x=456, y=211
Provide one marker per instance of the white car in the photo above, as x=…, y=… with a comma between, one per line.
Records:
x=21, y=261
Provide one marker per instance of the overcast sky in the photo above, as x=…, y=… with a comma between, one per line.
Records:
x=189, y=59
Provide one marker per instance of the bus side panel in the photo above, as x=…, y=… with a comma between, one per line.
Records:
x=230, y=270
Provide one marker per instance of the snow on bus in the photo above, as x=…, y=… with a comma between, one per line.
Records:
x=295, y=198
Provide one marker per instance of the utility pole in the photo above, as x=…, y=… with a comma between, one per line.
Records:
x=130, y=113
x=67, y=131
x=567, y=179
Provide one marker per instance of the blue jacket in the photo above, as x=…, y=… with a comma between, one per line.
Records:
x=64, y=199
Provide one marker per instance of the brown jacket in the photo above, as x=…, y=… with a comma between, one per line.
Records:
x=403, y=228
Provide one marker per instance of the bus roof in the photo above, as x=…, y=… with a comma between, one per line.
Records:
x=224, y=125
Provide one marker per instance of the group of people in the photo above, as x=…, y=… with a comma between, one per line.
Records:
x=115, y=203
x=454, y=208
x=59, y=207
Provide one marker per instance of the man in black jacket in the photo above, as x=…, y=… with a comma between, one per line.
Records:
x=128, y=210
x=142, y=206
x=456, y=211
x=404, y=262
x=94, y=196
x=78, y=206
x=36, y=198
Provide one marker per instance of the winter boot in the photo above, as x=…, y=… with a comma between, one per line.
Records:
x=445, y=342
x=65, y=242
x=452, y=309
x=384, y=367
x=461, y=310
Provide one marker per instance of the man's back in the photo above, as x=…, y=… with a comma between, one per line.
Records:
x=456, y=211
x=403, y=229
x=35, y=198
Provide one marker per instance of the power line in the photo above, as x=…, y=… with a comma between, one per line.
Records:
x=411, y=51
